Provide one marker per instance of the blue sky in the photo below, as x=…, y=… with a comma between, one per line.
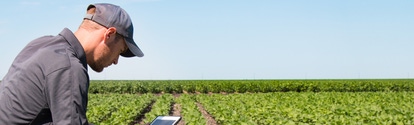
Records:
x=238, y=39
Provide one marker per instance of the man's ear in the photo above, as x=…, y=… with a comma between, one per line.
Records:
x=110, y=33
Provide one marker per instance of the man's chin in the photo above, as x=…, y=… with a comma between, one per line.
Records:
x=97, y=69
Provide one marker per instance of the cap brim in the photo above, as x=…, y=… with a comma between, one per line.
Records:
x=133, y=49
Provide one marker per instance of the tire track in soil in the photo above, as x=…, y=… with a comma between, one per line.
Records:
x=139, y=119
x=207, y=116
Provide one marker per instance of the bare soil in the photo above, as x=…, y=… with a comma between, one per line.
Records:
x=177, y=112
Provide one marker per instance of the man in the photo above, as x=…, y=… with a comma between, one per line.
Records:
x=48, y=80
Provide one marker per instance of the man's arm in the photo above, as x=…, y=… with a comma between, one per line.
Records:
x=67, y=95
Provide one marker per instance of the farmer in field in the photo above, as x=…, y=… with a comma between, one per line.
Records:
x=48, y=80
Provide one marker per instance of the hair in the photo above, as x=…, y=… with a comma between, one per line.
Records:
x=118, y=36
x=89, y=24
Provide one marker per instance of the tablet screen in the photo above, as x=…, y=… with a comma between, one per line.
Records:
x=166, y=120
x=163, y=122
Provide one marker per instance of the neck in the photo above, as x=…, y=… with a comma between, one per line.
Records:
x=82, y=36
x=89, y=40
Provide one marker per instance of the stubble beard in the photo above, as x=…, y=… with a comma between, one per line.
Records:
x=97, y=65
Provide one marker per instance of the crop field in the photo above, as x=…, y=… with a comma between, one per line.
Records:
x=262, y=102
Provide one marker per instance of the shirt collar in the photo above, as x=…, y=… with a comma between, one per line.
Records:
x=75, y=44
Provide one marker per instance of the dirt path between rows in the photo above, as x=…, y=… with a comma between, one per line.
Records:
x=177, y=112
x=207, y=116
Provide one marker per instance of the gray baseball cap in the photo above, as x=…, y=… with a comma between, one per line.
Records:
x=109, y=15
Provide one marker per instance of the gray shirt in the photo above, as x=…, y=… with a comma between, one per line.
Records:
x=48, y=81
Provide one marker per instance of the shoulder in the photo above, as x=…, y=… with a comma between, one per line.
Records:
x=56, y=54
x=50, y=54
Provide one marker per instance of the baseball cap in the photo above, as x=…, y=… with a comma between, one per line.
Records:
x=109, y=15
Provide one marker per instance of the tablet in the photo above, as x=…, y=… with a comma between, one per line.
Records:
x=166, y=120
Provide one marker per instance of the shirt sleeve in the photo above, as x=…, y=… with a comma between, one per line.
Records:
x=67, y=95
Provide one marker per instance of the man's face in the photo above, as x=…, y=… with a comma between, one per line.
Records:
x=108, y=52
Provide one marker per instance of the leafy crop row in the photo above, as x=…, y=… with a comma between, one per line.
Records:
x=119, y=109
x=242, y=86
x=311, y=108
x=100, y=106
x=261, y=108
x=189, y=110
x=160, y=108
x=122, y=109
